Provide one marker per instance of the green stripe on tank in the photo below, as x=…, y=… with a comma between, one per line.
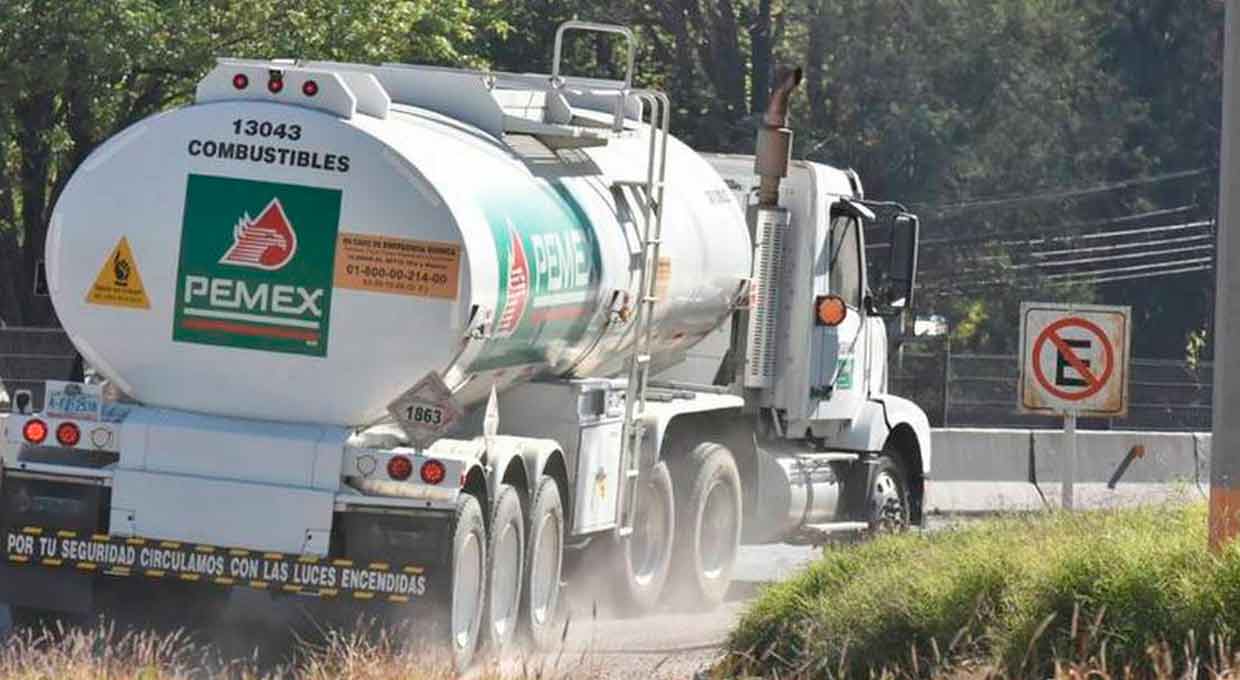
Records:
x=549, y=272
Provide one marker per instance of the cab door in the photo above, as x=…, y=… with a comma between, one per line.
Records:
x=839, y=353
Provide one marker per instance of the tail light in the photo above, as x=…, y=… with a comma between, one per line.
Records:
x=309, y=88
x=68, y=434
x=433, y=472
x=241, y=81
x=275, y=83
x=399, y=468
x=35, y=431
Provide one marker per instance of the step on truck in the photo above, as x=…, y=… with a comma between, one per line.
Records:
x=406, y=339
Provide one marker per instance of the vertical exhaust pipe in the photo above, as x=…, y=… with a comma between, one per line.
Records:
x=774, y=149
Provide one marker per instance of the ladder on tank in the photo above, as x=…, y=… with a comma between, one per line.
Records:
x=658, y=107
x=660, y=110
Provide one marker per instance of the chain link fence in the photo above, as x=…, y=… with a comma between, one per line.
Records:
x=980, y=390
x=28, y=356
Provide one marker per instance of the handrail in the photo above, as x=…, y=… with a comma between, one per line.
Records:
x=590, y=26
x=630, y=39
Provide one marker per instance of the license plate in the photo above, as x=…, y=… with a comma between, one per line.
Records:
x=73, y=400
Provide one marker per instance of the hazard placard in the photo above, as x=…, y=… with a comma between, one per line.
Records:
x=1074, y=359
x=118, y=283
x=427, y=411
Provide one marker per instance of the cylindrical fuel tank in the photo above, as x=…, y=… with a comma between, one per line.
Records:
x=276, y=262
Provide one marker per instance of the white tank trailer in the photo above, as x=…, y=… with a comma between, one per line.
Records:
x=403, y=337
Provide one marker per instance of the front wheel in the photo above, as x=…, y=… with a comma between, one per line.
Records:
x=889, y=497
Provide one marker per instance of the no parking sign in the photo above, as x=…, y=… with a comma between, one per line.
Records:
x=1074, y=359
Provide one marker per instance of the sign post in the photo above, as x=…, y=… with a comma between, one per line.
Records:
x=1074, y=362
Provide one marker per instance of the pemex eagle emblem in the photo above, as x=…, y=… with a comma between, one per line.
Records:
x=267, y=243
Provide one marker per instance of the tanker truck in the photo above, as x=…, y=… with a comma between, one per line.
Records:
x=412, y=339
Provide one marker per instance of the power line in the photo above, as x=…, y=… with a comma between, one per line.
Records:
x=1061, y=234
x=966, y=285
x=1071, y=226
x=1150, y=275
x=1123, y=246
x=1123, y=256
x=1138, y=267
x=1064, y=193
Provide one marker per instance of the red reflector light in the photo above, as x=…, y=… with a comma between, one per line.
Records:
x=241, y=81
x=275, y=85
x=399, y=468
x=35, y=431
x=309, y=88
x=68, y=434
x=433, y=472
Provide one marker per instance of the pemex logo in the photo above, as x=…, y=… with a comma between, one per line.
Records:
x=267, y=243
x=271, y=289
x=518, y=285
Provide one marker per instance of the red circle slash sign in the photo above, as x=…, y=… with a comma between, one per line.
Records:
x=1094, y=381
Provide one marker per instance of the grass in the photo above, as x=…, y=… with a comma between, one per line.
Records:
x=105, y=653
x=1130, y=593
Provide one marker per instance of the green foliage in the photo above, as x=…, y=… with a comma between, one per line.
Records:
x=1013, y=593
x=935, y=104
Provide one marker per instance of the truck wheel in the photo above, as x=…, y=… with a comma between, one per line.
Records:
x=506, y=571
x=469, y=553
x=708, y=525
x=645, y=556
x=542, y=607
x=889, y=499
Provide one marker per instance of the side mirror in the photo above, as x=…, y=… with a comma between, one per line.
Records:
x=896, y=292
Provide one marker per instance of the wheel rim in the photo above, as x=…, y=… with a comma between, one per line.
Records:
x=505, y=584
x=718, y=531
x=545, y=571
x=649, y=541
x=467, y=591
x=889, y=500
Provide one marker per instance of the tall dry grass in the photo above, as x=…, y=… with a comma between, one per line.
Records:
x=108, y=653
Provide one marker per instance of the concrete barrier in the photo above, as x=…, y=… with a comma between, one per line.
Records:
x=984, y=470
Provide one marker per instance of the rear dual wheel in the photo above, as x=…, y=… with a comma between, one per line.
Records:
x=469, y=566
x=506, y=581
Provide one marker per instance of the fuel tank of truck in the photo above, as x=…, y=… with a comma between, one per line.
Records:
x=308, y=254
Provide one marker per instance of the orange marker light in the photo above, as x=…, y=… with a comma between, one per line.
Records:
x=830, y=310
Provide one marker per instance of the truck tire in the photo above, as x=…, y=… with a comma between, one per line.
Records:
x=469, y=563
x=506, y=568
x=889, y=497
x=644, y=557
x=542, y=603
x=708, y=525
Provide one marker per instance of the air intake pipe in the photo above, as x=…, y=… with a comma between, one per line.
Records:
x=774, y=150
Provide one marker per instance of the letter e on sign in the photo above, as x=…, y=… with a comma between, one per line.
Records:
x=1074, y=359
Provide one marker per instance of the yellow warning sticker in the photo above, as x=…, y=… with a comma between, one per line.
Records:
x=119, y=284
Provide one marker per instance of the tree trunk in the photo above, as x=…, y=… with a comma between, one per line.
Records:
x=760, y=43
x=35, y=117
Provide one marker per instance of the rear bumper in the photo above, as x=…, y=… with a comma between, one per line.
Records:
x=60, y=553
